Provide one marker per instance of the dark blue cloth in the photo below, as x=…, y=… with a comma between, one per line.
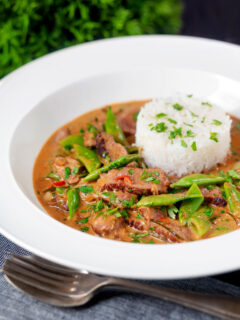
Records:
x=15, y=305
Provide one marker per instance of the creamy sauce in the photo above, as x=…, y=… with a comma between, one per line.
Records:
x=97, y=117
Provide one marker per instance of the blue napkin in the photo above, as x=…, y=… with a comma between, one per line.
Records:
x=15, y=305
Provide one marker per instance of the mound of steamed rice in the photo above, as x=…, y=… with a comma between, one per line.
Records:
x=182, y=134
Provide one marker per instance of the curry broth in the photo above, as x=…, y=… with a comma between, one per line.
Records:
x=97, y=117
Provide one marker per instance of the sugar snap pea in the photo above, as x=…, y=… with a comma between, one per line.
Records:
x=199, y=179
x=112, y=127
x=199, y=223
x=120, y=162
x=69, y=141
x=164, y=199
x=73, y=201
x=189, y=206
x=88, y=157
x=233, y=198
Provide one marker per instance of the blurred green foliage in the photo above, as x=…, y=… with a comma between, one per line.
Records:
x=32, y=28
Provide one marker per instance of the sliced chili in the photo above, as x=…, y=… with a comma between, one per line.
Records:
x=124, y=178
x=59, y=183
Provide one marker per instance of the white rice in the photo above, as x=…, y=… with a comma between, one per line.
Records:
x=198, y=119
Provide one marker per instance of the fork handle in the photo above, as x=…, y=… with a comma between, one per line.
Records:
x=222, y=306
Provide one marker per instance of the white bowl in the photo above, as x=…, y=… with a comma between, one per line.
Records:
x=41, y=96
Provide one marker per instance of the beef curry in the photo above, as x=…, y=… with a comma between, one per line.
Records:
x=89, y=176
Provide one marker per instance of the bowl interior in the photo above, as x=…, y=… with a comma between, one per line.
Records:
x=79, y=97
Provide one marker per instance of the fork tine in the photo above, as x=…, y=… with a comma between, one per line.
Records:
x=34, y=279
x=29, y=265
x=45, y=264
x=21, y=275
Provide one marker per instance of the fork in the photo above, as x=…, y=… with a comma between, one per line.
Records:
x=62, y=286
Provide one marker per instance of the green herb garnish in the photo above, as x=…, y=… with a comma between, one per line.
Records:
x=213, y=136
x=177, y=107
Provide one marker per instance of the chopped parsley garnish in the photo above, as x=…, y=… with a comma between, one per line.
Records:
x=190, y=134
x=172, y=121
x=118, y=214
x=92, y=129
x=131, y=171
x=84, y=229
x=128, y=203
x=176, y=132
x=194, y=114
x=81, y=131
x=172, y=211
x=86, y=189
x=150, y=176
x=183, y=144
x=84, y=220
x=160, y=127
x=194, y=146
x=124, y=213
x=177, y=107
x=234, y=153
x=111, y=211
x=206, y=104
x=216, y=122
x=203, y=119
x=189, y=95
x=238, y=125
x=67, y=172
x=160, y=115
x=75, y=170
x=139, y=216
x=213, y=136
x=208, y=211
x=83, y=210
x=187, y=124
x=137, y=237
x=98, y=206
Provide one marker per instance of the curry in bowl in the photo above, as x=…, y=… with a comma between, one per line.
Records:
x=90, y=175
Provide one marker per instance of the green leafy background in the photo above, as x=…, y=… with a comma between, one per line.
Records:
x=31, y=28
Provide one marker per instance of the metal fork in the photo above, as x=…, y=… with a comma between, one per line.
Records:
x=61, y=286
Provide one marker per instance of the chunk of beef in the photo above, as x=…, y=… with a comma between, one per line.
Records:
x=127, y=120
x=182, y=232
x=166, y=235
x=108, y=149
x=59, y=165
x=136, y=221
x=138, y=181
x=62, y=134
x=214, y=196
x=106, y=225
x=153, y=214
x=89, y=139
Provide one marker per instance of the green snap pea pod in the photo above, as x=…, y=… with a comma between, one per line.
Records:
x=120, y=162
x=189, y=206
x=88, y=157
x=199, y=223
x=132, y=149
x=53, y=175
x=234, y=174
x=112, y=127
x=199, y=179
x=69, y=141
x=73, y=201
x=164, y=199
x=233, y=198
